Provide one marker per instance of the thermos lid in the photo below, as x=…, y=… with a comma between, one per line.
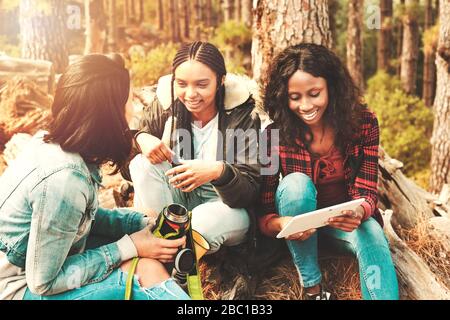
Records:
x=176, y=213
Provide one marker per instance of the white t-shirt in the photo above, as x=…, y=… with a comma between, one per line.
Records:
x=205, y=140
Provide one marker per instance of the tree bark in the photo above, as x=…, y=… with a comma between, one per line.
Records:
x=160, y=15
x=385, y=36
x=40, y=72
x=112, y=26
x=174, y=21
x=333, y=7
x=95, y=26
x=141, y=11
x=208, y=17
x=185, y=18
x=228, y=10
x=278, y=24
x=400, y=40
x=247, y=16
x=416, y=280
x=410, y=48
x=429, y=67
x=43, y=32
x=354, y=41
x=126, y=12
x=440, y=141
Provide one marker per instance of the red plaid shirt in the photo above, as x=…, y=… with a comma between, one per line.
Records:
x=360, y=169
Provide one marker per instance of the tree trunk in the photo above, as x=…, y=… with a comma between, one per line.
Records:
x=410, y=47
x=141, y=11
x=238, y=10
x=247, y=16
x=43, y=32
x=228, y=10
x=354, y=41
x=400, y=40
x=185, y=9
x=416, y=280
x=160, y=14
x=208, y=17
x=174, y=21
x=385, y=36
x=278, y=24
x=112, y=26
x=198, y=18
x=126, y=12
x=95, y=26
x=440, y=141
x=429, y=67
x=133, y=11
x=333, y=7
x=40, y=72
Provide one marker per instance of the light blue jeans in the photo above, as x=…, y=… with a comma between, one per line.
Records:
x=296, y=195
x=113, y=288
x=217, y=222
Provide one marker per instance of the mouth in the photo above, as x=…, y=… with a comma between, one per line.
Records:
x=310, y=115
x=193, y=103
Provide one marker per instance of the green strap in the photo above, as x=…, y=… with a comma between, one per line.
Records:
x=129, y=283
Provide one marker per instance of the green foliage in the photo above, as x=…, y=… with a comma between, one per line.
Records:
x=147, y=69
x=430, y=38
x=405, y=123
x=234, y=40
x=231, y=34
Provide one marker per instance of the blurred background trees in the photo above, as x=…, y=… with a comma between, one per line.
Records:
x=390, y=47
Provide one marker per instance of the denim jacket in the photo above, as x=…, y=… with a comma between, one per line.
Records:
x=48, y=207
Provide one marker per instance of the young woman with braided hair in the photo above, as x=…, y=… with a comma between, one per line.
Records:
x=187, y=158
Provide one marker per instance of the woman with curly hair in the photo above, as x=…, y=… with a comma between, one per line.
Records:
x=328, y=154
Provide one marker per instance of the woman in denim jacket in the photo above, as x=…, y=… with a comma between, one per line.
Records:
x=50, y=222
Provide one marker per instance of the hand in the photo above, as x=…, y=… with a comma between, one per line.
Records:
x=300, y=236
x=153, y=148
x=149, y=246
x=192, y=174
x=349, y=221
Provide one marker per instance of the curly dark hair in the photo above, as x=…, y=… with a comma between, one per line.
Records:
x=344, y=111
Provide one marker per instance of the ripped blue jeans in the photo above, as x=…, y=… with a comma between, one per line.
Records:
x=113, y=288
x=295, y=195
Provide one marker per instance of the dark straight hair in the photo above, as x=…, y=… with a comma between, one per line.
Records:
x=210, y=56
x=88, y=112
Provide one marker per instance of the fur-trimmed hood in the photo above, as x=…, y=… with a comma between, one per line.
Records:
x=238, y=88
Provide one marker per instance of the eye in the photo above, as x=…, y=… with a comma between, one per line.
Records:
x=181, y=84
x=315, y=94
x=294, y=97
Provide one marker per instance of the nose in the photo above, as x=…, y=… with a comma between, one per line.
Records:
x=191, y=92
x=305, y=107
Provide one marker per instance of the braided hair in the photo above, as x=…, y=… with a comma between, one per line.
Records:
x=210, y=56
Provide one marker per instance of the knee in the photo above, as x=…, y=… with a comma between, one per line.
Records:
x=295, y=194
x=149, y=271
x=141, y=167
x=370, y=235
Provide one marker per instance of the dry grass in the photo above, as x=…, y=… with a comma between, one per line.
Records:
x=340, y=277
x=427, y=246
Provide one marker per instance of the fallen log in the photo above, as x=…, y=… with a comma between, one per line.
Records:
x=416, y=280
x=397, y=192
x=39, y=71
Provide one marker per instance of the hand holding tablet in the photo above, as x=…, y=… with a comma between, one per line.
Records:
x=317, y=218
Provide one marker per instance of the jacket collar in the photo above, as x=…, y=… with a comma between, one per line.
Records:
x=238, y=89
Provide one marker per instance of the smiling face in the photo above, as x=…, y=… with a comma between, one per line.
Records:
x=196, y=86
x=308, y=97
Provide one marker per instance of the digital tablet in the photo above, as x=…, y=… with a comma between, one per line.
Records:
x=318, y=218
